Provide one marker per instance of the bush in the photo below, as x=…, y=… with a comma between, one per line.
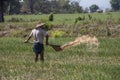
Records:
x=79, y=19
x=58, y=33
x=15, y=20
x=51, y=17
x=83, y=31
x=47, y=26
x=17, y=33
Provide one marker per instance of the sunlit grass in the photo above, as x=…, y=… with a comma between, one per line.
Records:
x=75, y=63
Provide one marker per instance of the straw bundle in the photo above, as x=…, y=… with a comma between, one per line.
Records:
x=86, y=39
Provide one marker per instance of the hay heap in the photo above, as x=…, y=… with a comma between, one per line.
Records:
x=85, y=39
x=91, y=42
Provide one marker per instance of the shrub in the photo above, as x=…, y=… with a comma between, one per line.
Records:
x=51, y=17
x=17, y=33
x=90, y=17
x=108, y=31
x=79, y=19
x=83, y=31
x=13, y=19
x=47, y=26
x=58, y=33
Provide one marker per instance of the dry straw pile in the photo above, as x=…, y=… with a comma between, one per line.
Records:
x=91, y=42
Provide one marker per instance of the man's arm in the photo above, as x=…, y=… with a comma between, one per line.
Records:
x=28, y=38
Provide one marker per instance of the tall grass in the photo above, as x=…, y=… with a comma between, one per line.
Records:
x=75, y=63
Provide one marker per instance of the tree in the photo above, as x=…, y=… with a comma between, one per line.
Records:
x=42, y=6
x=31, y=5
x=75, y=7
x=115, y=4
x=35, y=6
x=64, y=6
x=54, y=6
x=13, y=7
x=93, y=8
x=1, y=11
x=48, y=6
x=59, y=6
x=27, y=6
x=9, y=6
x=86, y=10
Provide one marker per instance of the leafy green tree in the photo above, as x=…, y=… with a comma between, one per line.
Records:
x=1, y=11
x=42, y=6
x=10, y=7
x=28, y=6
x=64, y=6
x=13, y=7
x=75, y=7
x=55, y=6
x=115, y=4
x=48, y=6
x=93, y=8
x=31, y=5
x=86, y=10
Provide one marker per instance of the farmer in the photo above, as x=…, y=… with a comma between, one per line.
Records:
x=38, y=34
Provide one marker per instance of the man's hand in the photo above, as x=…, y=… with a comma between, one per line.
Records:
x=26, y=41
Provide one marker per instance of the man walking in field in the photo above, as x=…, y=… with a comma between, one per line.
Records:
x=38, y=47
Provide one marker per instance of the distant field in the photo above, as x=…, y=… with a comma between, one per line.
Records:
x=75, y=63
x=64, y=18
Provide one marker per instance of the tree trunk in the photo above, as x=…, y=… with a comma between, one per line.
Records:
x=1, y=11
x=31, y=6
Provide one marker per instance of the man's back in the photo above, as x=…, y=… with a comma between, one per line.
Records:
x=38, y=35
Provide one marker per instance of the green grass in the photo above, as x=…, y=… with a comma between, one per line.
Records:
x=101, y=24
x=64, y=18
x=75, y=63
